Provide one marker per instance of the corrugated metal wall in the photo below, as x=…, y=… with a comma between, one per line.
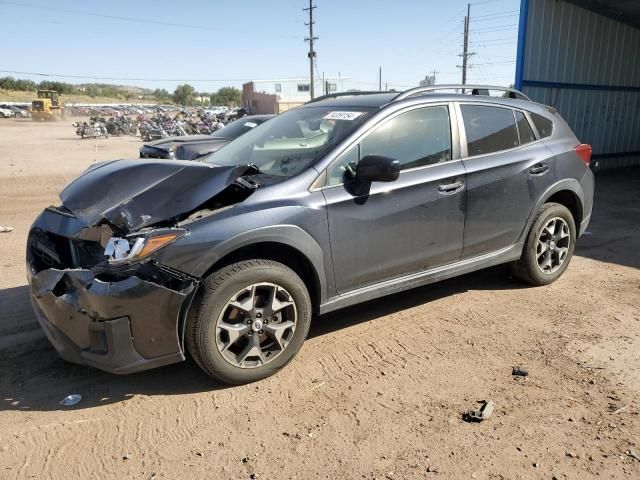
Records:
x=588, y=67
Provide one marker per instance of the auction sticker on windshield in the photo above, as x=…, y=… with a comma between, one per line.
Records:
x=250, y=124
x=342, y=115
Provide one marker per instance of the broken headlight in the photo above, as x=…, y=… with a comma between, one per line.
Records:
x=134, y=248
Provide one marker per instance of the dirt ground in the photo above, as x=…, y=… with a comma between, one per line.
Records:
x=378, y=390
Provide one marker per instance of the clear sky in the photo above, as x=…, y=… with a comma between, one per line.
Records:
x=214, y=43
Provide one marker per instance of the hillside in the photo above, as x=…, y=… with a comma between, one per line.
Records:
x=27, y=97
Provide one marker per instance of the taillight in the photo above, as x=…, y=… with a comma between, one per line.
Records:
x=584, y=152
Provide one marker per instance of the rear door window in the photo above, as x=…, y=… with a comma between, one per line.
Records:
x=524, y=129
x=489, y=129
x=543, y=125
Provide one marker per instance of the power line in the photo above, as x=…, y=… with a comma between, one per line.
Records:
x=110, y=17
x=141, y=79
x=496, y=14
x=513, y=42
x=499, y=17
x=504, y=39
x=494, y=63
x=497, y=28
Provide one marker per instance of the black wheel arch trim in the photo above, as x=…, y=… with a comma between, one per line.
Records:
x=570, y=185
x=288, y=235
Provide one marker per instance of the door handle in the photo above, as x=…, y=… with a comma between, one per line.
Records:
x=450, y=187
x=539, y=169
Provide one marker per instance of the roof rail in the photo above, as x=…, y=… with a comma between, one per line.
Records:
x=343, y=94
x=473, y=89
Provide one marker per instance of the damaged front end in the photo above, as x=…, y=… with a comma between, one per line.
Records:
x=97, y=291
x=120, y=316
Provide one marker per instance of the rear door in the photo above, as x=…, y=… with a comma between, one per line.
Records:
x=405, y=226
x=507, y=171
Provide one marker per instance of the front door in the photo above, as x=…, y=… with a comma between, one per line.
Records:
x=401, y=227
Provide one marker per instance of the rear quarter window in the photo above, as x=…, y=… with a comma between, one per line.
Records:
x=543, y=125
x=524, y=129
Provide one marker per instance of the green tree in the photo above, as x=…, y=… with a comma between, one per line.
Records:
x=161, y=94
x=227, y=96
x=184, y=94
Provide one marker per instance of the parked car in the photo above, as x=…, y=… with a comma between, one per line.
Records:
x=342, y=200
x=26, y=110
x=20, y=112
x=6, y=113
x=17, y=112
x=192, y=147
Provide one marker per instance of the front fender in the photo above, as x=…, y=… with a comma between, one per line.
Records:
x=289, y=235
x=211, y=253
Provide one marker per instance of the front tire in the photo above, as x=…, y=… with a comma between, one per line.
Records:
x=249, y=321
x=549, y=246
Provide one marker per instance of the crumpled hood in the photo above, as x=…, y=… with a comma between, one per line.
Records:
x=132, y=194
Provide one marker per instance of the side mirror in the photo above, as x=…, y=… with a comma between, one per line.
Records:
x=377, y=168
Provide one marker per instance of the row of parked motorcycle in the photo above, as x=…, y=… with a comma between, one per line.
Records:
x=101, y=127
x=163, y=126
x=160, y=125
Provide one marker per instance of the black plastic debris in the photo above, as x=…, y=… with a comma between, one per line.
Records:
x=519, y=372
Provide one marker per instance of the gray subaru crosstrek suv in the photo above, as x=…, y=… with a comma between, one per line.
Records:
x=345, y=199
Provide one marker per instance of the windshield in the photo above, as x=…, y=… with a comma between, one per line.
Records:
x=287, y=144
x=239, y=127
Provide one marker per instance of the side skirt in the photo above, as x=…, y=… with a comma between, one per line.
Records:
x=419, y=279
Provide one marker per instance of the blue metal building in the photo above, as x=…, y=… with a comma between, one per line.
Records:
x=583, y=58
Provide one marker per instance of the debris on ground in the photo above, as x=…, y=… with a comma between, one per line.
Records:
x=633, y=453
x=519, y=372
x=480, y=415
x=4, y=229
x=71, y=400
x=619, y=410
x=317, y=386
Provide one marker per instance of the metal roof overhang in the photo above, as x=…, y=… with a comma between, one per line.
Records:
x=625, y=11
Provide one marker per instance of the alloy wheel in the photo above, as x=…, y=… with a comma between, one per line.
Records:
x=256, y=325
x=552, y=247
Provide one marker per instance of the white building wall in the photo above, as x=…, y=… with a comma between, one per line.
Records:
x=292, y=89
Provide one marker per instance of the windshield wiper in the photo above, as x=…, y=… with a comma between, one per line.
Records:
x=256, y=169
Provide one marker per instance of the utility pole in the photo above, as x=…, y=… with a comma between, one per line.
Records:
x=433, y=73
x=465, y=51
x=379, y=79
x=311, y=39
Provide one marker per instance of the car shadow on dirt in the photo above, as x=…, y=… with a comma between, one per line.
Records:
x=34, y=378
x=495, y=278
x=613, y=235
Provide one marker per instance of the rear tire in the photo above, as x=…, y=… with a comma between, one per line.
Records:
x=238, y=330
x=549, y=246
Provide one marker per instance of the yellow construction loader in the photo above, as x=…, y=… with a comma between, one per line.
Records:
x=48, y=106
